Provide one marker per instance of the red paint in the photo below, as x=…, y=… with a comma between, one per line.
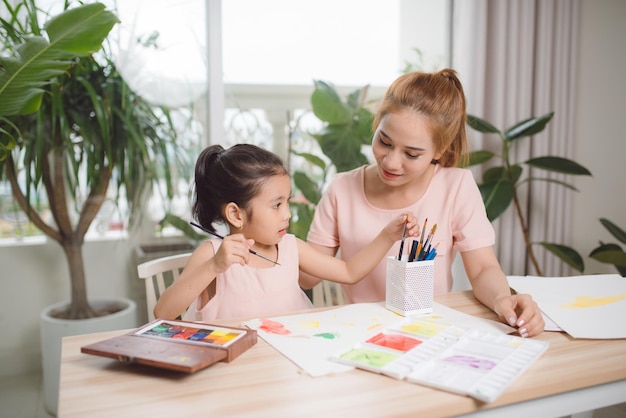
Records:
x=273, y=327
x=394, y=341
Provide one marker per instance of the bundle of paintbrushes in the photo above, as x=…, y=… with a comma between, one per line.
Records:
x=422, y=249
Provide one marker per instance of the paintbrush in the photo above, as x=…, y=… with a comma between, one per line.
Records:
x=215, y=234
x=402, y=242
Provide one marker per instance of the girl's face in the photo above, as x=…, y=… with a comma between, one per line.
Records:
x=403, y=148
x=269, y=211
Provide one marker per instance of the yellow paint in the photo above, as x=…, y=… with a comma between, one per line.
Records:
x=308, y=324
x=593, y=302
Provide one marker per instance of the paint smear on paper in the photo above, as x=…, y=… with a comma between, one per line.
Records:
x=371, y=358
x=309, y=324
x=473, y=362
x=593, y=302
x=327, y=335
x=423, y=328
x=394, y=341
x=273, y=327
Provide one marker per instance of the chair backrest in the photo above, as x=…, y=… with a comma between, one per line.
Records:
x=327, y=293
x=158, y=274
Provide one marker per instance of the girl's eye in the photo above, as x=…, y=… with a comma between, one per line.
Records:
x=411, y=156
x=383, y=142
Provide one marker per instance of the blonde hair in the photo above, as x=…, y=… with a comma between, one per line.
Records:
x=439, y=97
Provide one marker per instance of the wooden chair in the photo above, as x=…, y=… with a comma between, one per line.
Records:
x=158, y=275
x=327, y=293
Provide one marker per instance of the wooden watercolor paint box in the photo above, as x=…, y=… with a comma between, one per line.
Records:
x=176, y=345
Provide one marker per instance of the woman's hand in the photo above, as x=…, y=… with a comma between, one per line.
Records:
x=520, y=311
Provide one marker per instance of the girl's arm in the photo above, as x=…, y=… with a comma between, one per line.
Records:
x=491, y=288
x=351, y=271
x=201, y=269
x=308, y=281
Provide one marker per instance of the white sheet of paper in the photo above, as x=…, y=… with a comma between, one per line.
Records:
x=310, y=339
x=591, y=306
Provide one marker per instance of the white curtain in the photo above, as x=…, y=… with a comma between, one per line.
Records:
x=517, y=59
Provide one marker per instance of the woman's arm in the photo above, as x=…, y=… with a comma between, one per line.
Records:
x=328, y=267
x=491, y=288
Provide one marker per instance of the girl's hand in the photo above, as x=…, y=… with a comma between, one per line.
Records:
x=395, y=228
x=234, y=249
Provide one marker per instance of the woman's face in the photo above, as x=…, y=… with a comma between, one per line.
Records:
x=403, y=148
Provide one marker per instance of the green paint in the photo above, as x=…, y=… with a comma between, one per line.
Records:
x=327, y=335
x=369, y=357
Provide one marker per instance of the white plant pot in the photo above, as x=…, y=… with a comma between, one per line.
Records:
x=53, y=330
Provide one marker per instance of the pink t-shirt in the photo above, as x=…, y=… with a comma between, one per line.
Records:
x=244, y=291
x=344, y=218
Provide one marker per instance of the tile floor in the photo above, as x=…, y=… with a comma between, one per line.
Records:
x=20, y=397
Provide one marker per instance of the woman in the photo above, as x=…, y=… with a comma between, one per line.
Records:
x=419, y=139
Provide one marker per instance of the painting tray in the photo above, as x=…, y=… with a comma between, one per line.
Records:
x=176, y=345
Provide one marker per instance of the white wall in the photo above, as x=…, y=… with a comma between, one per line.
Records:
x=600, y=143
x=35, y=276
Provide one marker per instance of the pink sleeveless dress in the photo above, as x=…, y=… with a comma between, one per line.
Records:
x=248, y=292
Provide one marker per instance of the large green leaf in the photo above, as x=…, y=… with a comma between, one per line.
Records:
x=497, y=197
x=364, y=119
x=566, y=254
x=304, y=217
x=479, y=157
x=311, y=158
x=494, y=174
x=342, y=145
x=308, y=187
x=528, y=127
x=615, y=230
x=36, y=61
x=611, y=254
x=559, y=165
x=328, y=106
x=183, y=226
x=481, y=125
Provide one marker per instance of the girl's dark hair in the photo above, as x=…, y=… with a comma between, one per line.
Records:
x=440, y=98
x=230, y=175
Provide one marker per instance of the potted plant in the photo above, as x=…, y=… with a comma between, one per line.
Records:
x=347, y=128
x=70, y=127
x=500, y=183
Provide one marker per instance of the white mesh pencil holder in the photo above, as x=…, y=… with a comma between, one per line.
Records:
x=410, y=286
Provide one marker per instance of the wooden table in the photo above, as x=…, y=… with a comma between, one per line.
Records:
x=572, y=376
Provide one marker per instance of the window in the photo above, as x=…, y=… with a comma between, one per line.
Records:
x=272, y=50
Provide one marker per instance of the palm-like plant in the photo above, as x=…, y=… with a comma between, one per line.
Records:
x=71, y=127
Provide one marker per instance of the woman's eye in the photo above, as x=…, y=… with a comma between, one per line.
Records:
x=383, y=142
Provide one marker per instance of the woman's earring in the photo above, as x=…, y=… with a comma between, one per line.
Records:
x=241, y=226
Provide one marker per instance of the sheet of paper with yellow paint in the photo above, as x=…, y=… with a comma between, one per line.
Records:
x=590, y=306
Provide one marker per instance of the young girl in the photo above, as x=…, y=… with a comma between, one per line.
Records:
x=419, y=138
x=248, y=189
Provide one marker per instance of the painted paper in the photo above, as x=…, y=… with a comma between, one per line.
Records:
x=591, y=306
